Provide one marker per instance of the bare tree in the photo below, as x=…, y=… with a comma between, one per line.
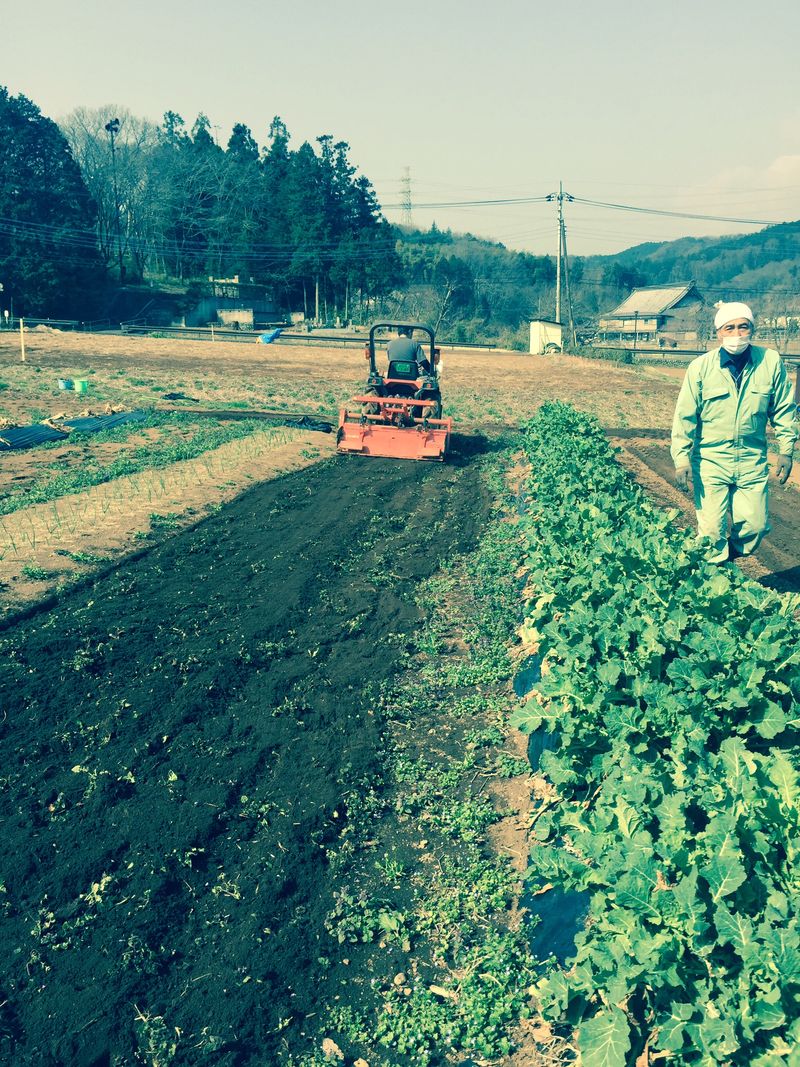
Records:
x=86, y=130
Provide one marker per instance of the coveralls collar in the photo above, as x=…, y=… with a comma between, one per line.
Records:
x=736, y=365
x=727, y=360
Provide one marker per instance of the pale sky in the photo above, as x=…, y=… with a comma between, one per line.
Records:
x=689, y=106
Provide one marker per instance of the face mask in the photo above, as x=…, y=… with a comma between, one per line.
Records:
x=734, y=346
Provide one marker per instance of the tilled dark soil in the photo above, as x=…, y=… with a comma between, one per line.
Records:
x=177, y=744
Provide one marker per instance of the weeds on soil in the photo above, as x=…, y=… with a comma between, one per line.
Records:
x=110, y=490
x=427, y=911
x=56, y=481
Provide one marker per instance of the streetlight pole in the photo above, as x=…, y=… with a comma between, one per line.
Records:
x=112, y=129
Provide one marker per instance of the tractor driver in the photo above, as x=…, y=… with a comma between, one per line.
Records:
x=403, y=347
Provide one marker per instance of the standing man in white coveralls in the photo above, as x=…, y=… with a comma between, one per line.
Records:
x=720, y=429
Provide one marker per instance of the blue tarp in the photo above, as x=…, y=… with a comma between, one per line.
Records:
x=269, y=336
x=39, y=434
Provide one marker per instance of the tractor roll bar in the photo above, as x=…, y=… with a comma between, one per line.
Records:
x=396, y=326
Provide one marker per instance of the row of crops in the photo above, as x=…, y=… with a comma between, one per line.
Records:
x=669, y=710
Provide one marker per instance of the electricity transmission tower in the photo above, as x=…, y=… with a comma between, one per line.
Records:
x=405, y=197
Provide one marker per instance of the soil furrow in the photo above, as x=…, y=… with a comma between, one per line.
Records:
x=178, y=744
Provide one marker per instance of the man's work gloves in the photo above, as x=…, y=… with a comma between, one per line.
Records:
x=783, y=469
x=782, y=472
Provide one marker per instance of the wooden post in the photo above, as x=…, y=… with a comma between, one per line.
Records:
x=22, y=338
x=635, y=332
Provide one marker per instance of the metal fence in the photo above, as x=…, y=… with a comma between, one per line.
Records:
x=226, y=333
x=67, y=325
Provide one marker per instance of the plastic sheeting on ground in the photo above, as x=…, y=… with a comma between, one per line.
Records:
x=561, y=915
x=305, y=422
x=40, y=433
x=268, y=337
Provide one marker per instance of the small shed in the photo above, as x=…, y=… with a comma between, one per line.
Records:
x=545, y=337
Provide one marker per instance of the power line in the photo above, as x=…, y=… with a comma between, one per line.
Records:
x=275, y=252
x=676, y=214
x=436, y=205
x=470, y=203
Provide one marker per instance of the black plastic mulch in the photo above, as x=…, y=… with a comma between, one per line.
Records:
x=39, y=433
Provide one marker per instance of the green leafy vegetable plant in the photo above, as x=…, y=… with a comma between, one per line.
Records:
x=673, y=689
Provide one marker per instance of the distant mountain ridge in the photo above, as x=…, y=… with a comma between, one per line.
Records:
x=766, y=263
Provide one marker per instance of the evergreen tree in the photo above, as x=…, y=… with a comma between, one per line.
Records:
x=49, y=264
x=186, y=177
x=242, y=145
x=272, y=197
x=173, y=129
x=238, y=223
x=307, y=227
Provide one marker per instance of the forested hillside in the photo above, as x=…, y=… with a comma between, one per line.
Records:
x=476, y=290
x=481, y=289
x=133, y=201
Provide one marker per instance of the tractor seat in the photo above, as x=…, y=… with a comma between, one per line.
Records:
x=404, y=369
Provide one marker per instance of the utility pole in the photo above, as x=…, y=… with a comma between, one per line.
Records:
x=112, y=129
x=560, y=198
x=561, y=264
x=573, y=336
x=635, y=334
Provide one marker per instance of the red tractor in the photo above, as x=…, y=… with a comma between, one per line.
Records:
x=399, y=414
